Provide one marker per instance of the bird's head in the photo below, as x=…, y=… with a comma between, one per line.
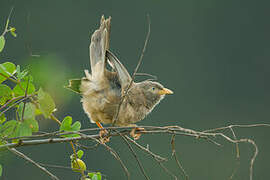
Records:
x=153, y=92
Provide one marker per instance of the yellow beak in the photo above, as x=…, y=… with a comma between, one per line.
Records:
x=165, y=91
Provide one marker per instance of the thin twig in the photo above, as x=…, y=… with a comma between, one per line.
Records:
x=25, y=95
x=236, y=144
x=135, y=156
x=146, y=74
x=18, y=102
x=71, y=144
x=115, y=118
x=167, y=170
x=112, y=151
x=176, y=158
x=13, y=80
x=175, y=130
x=65, y=167
x=9, y=78
x=87, y=147
x=6, y=27
x=237, y=125
x=253, y=158
x=10, y=101
x=117, y=157
x=237, y=155
x=76, y=160
x=18, y=153
x=157, y=157
x=235, y=169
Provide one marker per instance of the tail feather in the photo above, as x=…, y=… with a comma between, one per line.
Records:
x=98, y=46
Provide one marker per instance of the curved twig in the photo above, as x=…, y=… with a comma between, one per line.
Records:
x=18, y=153
x=134, y=73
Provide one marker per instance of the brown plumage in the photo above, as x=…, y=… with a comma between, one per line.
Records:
x=102, y=89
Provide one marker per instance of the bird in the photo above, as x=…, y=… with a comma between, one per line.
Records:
x=109, y=80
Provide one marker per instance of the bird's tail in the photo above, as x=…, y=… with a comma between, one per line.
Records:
x=98, y=46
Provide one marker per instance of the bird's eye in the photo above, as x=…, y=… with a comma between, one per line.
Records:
x=153, y=88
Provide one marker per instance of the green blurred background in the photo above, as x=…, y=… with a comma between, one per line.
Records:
x=213, y=54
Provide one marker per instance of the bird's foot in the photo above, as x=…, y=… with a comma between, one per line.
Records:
x=103, y=136
x=136, y=132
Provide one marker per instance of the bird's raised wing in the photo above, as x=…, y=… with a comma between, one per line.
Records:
x=120, y=69
x=98, y=46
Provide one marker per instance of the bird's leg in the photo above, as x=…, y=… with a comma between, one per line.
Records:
x=102, y=134
x=136, y=131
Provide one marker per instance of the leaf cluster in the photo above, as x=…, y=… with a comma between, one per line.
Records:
x=19, y=94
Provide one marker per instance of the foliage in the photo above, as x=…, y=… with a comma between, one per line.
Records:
x=77, y=164
x=94, y=176
x=15, y=98
x=67, y=126
x=7, y=29
x=18, y=92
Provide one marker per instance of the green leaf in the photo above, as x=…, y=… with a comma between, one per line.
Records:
x=29, y=111
x=1, y=170
x=76, y=126
x=80, y=154
x=66, y=124
x=95, y=176
x=38, y=112
x=18, y=70
x=2, y=43
x=74, y=85
x=7, y=69
x=20, y=90
x=21, y=75
x=67, y=127
x=5, y=94
x=29, y=115
x=23, y=129
x=91, y=174
x=15, y=129
x=32, y=124
x=8, y=129
x=2, y=119
x=13, y=33
x=47, y=105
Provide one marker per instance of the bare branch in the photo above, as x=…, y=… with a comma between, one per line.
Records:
x=237, y=125
x=156, y=157
x=18, y=153
x=113, y=152
x=236, y=144
x=174, y=130
x=25, y=95
x=167, y=170
x=135, y=156
x=176, y=158
x=117, y=157
x=147, y=74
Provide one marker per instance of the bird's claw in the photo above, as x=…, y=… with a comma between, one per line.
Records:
x=103, y=136
x=136, y=132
